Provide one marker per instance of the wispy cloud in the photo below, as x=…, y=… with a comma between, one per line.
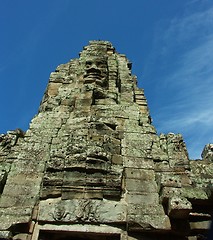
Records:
x=194, y=75
x=188, y=29
x=186, y=53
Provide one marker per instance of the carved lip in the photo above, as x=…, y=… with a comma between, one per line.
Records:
x=93, y=73
x=93, y=76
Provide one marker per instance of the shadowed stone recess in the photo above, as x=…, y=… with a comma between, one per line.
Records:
x=91, y=165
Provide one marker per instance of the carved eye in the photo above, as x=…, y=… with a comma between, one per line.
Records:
x=100, y=64
x=88, y=64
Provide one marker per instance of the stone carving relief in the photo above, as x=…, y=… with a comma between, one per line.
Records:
x=86, y=211
x=60, y=213
x=87, y=163
x=91, y=160
x=96, y=71
x=82, y=210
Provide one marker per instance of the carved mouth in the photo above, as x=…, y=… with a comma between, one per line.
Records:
x=93, y=74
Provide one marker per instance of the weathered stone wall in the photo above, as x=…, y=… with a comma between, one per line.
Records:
x=91, y=165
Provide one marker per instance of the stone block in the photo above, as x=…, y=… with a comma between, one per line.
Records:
x=83, y=103
x=106, y=101
x=74, y=178
x=5, y=235
x=17, y=201
x=72, y=192
x=179, y=207
x=53, y=179
x=201, y=225
x=113, y=147
x=16, y=211
x=131, y=124
x=145, y=209
x=55, y=163
x=50, y=192
x=185, y=180
x=112, y=193
x=144, y=143
x=133, y=152
x=95, y=179
x=194, y=193
x=192, y=238
x=148, y=222
x=32, y=165
x=138, y=162
x=14, y=190
x=53, y=88
x=96, y=165
x=144, y=199
x=7, y=221
x=163, y=166
x=117, y=159
x=142, y=174
x=22, y=236
x=138, y=137
x=97, y=193
x=169, y=192
x=71, y=163
x=138, y=185
x=24, y=178
x=168, y=180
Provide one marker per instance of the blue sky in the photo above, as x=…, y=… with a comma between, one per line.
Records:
x=169, y=42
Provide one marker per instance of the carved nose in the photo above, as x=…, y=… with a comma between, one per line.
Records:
x=93, y=70
x=93, y=66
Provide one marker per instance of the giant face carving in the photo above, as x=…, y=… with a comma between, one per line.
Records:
x=96, y=71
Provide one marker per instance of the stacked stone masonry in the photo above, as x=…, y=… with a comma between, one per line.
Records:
x=91, y=165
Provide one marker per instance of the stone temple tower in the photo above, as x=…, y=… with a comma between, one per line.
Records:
x=91, y=165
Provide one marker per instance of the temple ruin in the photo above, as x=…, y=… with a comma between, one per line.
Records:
x=92, y=166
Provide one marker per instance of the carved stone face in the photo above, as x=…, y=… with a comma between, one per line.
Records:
x=96, y=71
